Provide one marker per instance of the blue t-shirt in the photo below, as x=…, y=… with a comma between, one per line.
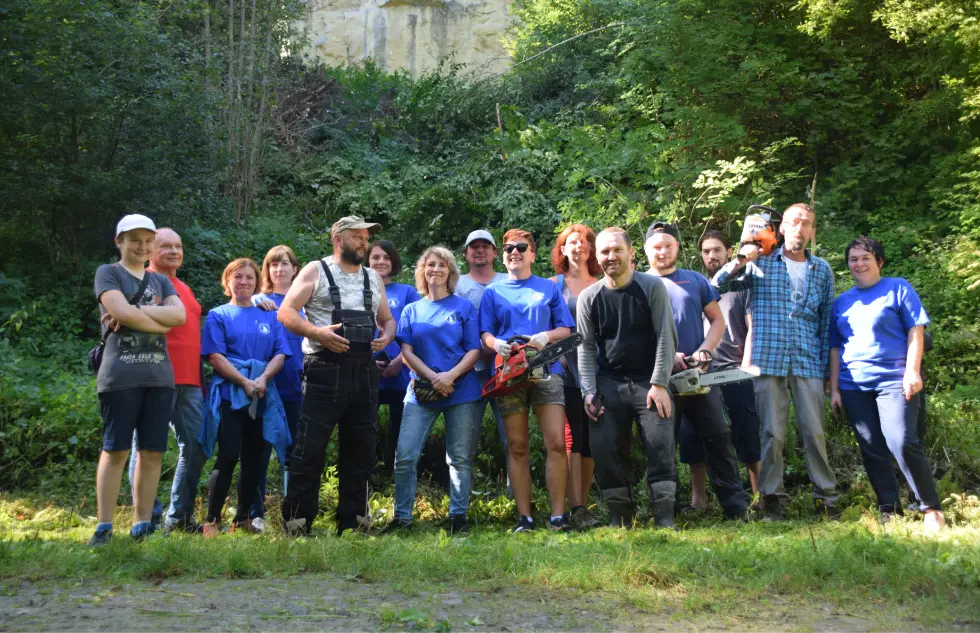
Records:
x=871, y=328
x=399, y=296
x=289, y=380
x=440, y=333
x=689, y=292
x=512, y=307
x=246, y=333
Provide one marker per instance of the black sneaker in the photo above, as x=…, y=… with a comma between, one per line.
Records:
x=396, y=526
x=100, y=538
x=582, y=519
x=826, y=510
x=525, y=524
x=559, y=524
x=458, y=524
x=189, y=527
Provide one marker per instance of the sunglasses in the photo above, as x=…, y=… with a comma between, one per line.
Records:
x=521, y=247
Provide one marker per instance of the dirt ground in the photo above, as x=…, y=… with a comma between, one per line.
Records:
x=318, y=602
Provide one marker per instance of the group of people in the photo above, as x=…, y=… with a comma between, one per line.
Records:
x=298, y=351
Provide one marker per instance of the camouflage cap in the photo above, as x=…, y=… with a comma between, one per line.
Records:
x=353, y=222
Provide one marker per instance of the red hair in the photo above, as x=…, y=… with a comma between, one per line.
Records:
x=521, y=234
x=558, y=260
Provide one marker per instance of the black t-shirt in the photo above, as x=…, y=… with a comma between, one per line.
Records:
x=629, y=332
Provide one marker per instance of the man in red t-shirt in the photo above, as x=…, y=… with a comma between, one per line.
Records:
x=184, y=345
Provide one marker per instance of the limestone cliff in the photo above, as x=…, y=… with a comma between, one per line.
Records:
x=412, y=35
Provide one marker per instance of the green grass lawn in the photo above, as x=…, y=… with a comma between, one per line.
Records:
x=709, y=568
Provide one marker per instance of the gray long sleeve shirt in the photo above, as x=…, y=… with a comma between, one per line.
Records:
x=628, y=332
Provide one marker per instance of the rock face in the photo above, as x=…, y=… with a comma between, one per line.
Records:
x=411, y=35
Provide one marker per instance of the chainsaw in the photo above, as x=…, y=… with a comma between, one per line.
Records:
x=696, y=381
x=526, y=365
x=761, y=229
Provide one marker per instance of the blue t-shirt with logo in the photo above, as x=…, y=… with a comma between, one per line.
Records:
x=399, y=296
x=245, y=333
x=871, y=328
x=289, y=380
x=512, y=307
x=441, y=333
x=689, y=292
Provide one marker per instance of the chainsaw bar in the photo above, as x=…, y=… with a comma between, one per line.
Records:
x=553, y=352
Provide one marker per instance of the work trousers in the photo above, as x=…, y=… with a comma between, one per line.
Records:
x=611, y=437
x=772, y=401
x=706, y=415
x=342, y=394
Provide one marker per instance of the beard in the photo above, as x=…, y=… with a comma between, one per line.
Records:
x=713, y=267
x=663, y=265
x=350, y=255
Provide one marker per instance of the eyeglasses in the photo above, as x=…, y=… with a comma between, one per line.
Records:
x=520, y=246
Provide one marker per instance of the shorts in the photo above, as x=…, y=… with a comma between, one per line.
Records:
x=145, y=410
x=551, y=390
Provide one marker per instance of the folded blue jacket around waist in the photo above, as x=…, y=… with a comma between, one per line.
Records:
x=274, y=428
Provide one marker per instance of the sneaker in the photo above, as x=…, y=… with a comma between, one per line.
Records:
x=559, y=525
x=189, y=527
x=296, y=527
x=827, y=510
x=211, y=529
x=582, y=519
x=100, y=538
x=156, y=521
x=141, y=531
x=933, y=521
x=525, y=524
x=773, y=515
x=396, y=526
x=258, y=525
x=458, y=524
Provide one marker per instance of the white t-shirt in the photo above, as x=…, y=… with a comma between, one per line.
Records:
x=797, y=279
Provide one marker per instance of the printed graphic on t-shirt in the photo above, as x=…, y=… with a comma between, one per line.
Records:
x=142, y=347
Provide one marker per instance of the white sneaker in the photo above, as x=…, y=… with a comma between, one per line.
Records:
x=258, y=525
x=933, y=522
x=296, y=527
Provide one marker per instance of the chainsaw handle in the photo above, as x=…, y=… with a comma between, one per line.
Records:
x=518, y=338
x=692, y=361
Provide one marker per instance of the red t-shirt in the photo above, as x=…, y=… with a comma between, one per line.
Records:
x=184, y=341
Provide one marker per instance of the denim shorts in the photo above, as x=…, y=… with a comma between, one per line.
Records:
x=551, y=390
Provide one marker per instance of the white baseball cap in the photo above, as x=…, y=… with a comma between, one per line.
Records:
x=479, y=235
x=134, y=221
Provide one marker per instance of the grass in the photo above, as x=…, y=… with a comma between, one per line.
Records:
x=708, y=568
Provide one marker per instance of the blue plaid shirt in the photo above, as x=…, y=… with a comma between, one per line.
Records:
x=785, y=336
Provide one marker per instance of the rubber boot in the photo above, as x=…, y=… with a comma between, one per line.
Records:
x=621, y=506
x=662, y=494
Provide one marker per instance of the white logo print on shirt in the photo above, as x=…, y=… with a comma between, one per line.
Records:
x=264, y=328
x=537, y=297
x=392, y=303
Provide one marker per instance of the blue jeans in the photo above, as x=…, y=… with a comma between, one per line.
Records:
x=886, y=426
x=484, y=375
x=186, y=420
x=292, y=420
x=417, y=422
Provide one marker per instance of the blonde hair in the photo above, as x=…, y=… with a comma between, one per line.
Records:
x=277, y=254
x=447, y=258
x=230, y=269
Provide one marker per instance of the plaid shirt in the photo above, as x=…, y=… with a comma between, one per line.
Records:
x=786, y=336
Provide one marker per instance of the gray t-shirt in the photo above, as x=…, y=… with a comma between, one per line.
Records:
x=319, y=309
x=731, y=348
x=132, y=358
x=467, y=288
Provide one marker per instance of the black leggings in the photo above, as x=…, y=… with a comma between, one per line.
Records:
x=578, y=421
x=395, y=399
x=239, y=436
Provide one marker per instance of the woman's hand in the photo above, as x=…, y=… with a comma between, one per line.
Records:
x=443, y=383
x=911, y=383
x=260, y=384
x=836, y=402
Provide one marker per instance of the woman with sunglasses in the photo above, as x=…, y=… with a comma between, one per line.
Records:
x=527, y=305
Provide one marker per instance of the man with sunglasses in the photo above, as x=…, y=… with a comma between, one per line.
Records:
x=790, y=302
x=527, y=305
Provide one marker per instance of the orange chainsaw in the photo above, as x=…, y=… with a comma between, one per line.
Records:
x=525, y=365
x=761, y=229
